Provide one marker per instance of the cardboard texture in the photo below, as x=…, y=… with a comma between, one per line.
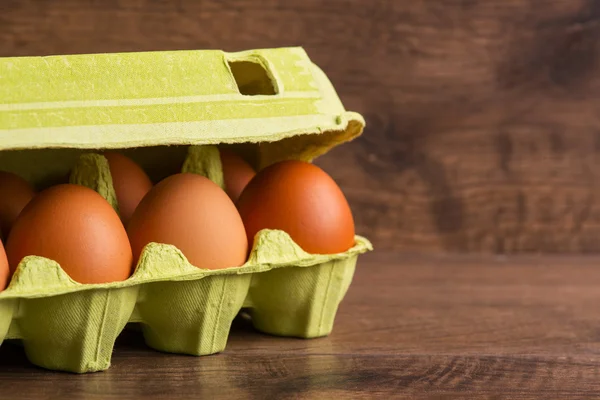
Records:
x=168, y=108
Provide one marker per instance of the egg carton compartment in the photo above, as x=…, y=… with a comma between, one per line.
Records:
x=65, y=325
x=168, y=112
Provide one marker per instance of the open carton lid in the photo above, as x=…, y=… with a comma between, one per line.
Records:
x=126, y=100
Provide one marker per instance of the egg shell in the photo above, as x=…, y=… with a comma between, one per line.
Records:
x=302, y=200
x=4, y=268
x=192, y=213
x=237, y=173
x=77, y=228
x=15, y=193
x=130, y=181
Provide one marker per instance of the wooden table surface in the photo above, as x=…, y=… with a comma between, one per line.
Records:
x=440, y=326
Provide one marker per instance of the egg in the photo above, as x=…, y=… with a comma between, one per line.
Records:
x=15, y=193
x=236, y=173
x=194, y=214
x=4, y=269
x=77, y=228
x=130, y=181
x=301, y=199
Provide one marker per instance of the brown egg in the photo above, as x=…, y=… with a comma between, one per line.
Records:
x=15, y=193
x=130, y=181
x=302, y=200
x=4, y=269
x=192, y=213
x=77, y=228
x=236, y=173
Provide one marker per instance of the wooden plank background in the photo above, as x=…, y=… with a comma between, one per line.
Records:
x=484, y=116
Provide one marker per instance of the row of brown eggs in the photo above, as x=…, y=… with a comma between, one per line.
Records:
x=213, y=228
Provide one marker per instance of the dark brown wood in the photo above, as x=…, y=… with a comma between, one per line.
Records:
x=450, y=326
x=484, y=131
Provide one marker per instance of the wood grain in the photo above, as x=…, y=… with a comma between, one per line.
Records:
x=484, y=131
x=446, y=326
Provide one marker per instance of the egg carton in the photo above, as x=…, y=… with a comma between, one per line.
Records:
x=168, y=111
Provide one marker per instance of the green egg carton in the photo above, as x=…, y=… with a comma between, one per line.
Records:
x=168, y=111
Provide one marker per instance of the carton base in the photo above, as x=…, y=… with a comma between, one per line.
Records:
x=192, y=317
x=300, y=302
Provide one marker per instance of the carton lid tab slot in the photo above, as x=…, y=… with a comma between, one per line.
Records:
x=252, y=78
